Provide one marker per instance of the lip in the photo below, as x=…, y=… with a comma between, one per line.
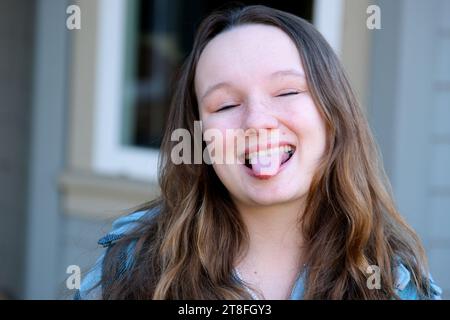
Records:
x=266, y=177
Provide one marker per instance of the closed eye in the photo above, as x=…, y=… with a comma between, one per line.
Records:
x=288, y=94
x=227, y=107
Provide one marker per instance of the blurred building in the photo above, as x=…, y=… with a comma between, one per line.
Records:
x=82, y=111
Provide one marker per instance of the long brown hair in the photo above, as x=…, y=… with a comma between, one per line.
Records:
x=350, y=222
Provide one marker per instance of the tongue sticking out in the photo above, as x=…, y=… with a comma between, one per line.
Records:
x=268, y=165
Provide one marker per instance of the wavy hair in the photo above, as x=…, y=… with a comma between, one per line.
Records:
x=350, y=221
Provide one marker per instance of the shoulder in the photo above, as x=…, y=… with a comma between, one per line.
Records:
x=90, y=288
x=406, y=289
x=123, y=225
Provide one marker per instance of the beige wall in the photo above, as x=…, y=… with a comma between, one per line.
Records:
x=356, y=46
x=86, y=193
x=82, y=88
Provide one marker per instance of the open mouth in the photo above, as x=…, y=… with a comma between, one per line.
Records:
x=267, y=163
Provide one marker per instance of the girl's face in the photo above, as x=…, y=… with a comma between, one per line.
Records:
x=256, y=73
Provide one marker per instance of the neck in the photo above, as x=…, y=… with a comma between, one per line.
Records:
x=274, y=231
x=273, y=259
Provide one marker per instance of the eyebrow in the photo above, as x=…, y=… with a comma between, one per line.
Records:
x=289, y=72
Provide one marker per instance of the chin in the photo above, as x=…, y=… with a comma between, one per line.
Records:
x=270, y=198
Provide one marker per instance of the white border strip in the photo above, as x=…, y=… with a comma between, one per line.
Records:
x=109, y=156
x=328, y=19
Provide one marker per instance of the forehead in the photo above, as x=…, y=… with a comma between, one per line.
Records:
x=246, y=52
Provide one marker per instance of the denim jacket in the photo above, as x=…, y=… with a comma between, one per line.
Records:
x=404, y=285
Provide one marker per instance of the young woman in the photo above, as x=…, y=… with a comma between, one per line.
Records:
x=320, y=223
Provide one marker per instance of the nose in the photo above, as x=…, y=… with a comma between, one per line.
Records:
x=258, y=116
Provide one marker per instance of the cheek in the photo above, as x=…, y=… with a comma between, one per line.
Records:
x=306, y=122
x=222, y=121
x=225, y=128
x=223, y=146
